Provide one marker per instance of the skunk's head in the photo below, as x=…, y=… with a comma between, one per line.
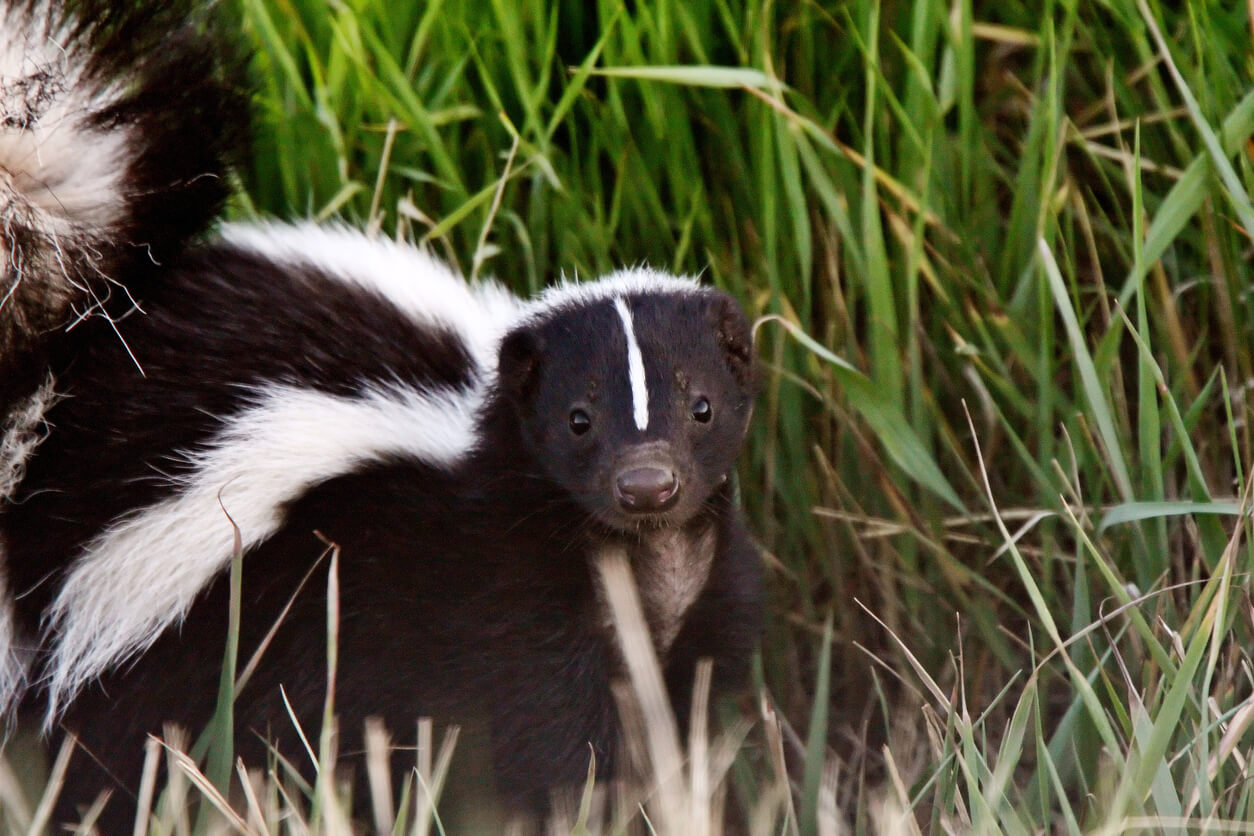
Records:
x=633, y=394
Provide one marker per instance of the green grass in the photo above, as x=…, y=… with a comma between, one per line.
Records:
x=1002, y=256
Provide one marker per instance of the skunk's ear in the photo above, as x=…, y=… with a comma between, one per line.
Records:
x=518, y=364
x=735, y=338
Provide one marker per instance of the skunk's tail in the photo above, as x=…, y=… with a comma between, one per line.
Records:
x=118, y=125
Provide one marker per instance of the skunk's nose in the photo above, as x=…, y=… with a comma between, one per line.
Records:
x=646, y=489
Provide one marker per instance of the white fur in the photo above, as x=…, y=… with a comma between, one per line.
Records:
x=14, y=664
x=630, y=282
x=416, y=283
x=143, y=575
x=635, y=368
x=23, y=432
x=57, y=173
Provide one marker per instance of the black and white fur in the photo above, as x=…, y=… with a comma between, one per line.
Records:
x=118, y=122
x=469, y=453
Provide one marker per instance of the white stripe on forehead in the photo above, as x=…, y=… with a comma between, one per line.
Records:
x=635, y=368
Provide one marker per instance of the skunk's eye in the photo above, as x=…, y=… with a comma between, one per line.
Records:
x=580, y=423
x=701, y=411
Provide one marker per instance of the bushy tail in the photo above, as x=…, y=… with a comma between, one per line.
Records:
x=118, y=125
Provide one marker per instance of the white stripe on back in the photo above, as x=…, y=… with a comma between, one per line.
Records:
x=142, y=574
x=413, y=281
x=635, y=368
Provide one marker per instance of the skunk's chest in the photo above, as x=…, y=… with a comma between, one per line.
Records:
x=670, y=568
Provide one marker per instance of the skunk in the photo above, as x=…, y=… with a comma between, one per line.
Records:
x=468, y=456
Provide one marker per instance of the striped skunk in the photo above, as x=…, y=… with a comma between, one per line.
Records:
x=469, y=454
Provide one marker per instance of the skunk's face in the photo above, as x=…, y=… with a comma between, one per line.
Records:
x=637, y=405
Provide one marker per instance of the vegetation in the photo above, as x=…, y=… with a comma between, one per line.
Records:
x=1001, y=255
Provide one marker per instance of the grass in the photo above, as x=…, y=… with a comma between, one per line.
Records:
x=1001, y=256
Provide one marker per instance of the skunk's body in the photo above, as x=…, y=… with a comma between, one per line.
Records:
x=470, y=456
x=467, y=512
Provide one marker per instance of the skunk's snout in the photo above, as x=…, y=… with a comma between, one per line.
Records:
x=644, y=490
